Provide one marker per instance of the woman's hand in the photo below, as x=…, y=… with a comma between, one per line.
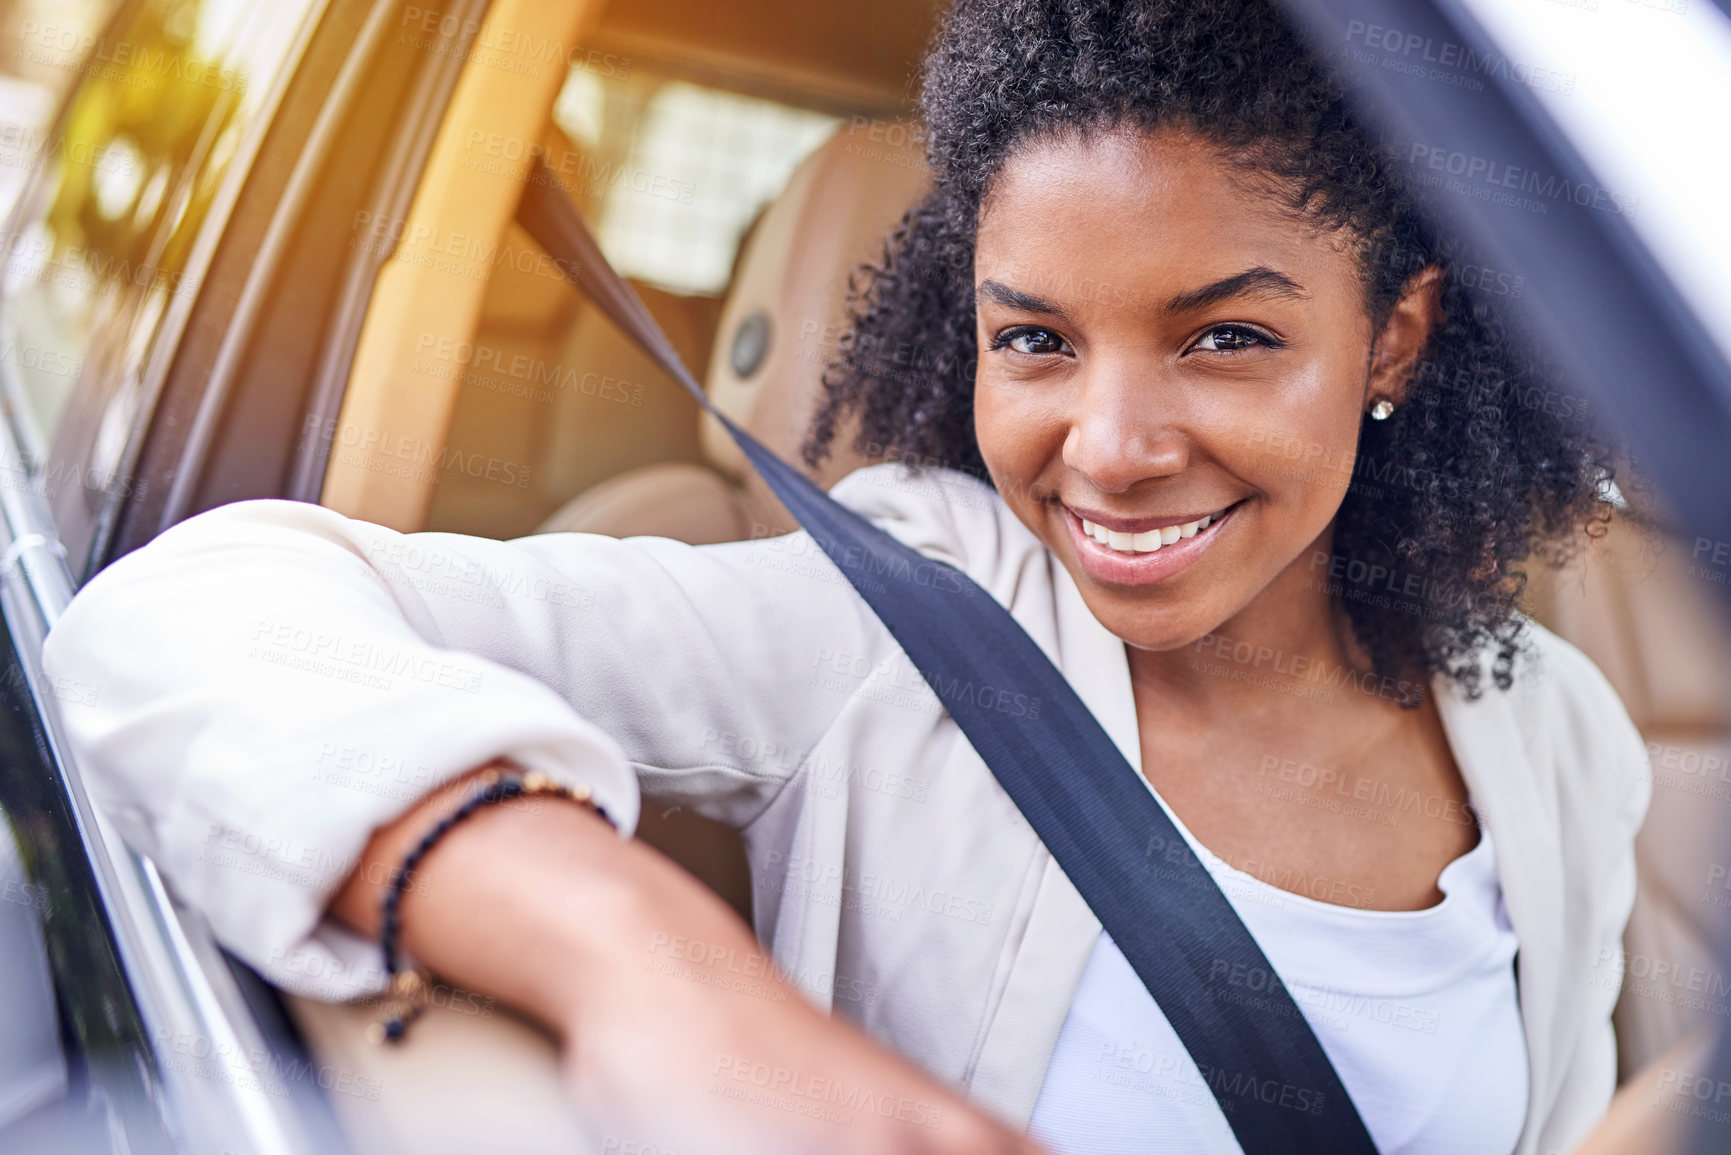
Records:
x=678, y=1033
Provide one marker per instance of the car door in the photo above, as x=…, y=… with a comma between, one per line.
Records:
x=196, y=146
x=35, y=1075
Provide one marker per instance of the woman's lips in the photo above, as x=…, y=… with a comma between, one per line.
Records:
x=1119, y=567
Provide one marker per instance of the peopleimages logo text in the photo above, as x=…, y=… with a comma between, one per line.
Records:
x=1485, y=171
x=1456, y=59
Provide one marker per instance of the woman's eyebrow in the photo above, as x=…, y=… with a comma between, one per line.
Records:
x=1261, y=281
x=1016, y=299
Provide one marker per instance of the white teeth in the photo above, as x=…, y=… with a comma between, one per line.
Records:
x=1147, y=541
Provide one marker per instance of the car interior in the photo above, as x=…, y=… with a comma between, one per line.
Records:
x=739, y=163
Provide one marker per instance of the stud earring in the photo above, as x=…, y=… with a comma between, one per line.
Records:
x=1381, y=410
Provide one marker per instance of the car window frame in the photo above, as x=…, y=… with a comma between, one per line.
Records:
x=217, y=384
x=162, y=953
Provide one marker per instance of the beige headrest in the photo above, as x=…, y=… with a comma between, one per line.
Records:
x=834, y=216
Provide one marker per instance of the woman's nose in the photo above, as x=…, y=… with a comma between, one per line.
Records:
x=1124, y=429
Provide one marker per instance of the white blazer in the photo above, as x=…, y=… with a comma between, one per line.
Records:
x=268, y=682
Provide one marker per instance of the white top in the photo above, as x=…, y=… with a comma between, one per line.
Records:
x=257, y=689
x=1417, y=1010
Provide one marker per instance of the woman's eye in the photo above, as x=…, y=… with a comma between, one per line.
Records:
x=1031, y=340
x=1232, y=338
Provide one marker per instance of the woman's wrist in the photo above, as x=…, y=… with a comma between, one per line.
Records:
x=524, y=901
x=408, y=990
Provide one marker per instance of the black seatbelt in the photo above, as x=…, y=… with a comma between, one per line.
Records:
x=1090, y=808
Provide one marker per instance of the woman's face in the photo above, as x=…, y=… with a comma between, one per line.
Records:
x=1159, y=346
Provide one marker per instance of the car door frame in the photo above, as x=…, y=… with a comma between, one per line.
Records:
x=170, y=997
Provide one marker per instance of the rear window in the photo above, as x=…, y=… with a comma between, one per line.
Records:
x=679, y=169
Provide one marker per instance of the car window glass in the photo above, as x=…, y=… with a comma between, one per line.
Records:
x=164, y=96
x=34, y=80
x=677, y=170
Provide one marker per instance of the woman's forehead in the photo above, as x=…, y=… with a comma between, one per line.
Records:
x=1157, y=213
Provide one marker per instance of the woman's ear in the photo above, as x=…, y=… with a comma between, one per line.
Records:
x=1396, y=349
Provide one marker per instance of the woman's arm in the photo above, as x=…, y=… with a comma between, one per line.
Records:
x=273, y=682
x=540, y=904
x=285, y=700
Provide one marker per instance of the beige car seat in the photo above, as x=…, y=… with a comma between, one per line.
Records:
x=1644, y=610
x=779, y=327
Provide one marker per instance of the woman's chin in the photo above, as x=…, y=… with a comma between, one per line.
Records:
x=1165, y=632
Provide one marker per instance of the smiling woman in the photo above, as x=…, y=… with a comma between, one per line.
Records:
x=1180, y=311
x=1176, y=373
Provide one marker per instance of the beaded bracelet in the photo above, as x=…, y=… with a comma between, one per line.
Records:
x=407, y=991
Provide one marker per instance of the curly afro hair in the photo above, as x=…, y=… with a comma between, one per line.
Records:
x=1488, y=463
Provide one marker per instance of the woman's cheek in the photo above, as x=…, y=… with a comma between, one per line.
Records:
x=1306, y=443
x=1015, y=426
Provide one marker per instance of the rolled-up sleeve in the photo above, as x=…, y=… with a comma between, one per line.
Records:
x=269, y=682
